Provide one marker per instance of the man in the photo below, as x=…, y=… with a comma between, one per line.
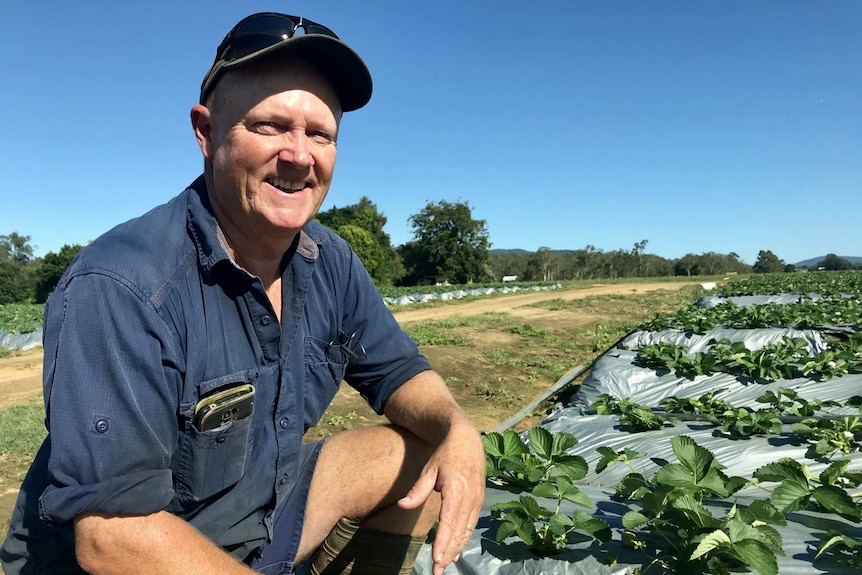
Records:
x=187, y=351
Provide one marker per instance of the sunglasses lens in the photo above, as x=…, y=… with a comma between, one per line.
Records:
x=257, y=33
x=264, y=30
x=312, y=28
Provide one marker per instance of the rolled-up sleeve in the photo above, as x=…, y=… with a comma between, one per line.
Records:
x=391, y=357
x=112, y=393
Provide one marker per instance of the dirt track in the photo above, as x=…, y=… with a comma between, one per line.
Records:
x=21, y=375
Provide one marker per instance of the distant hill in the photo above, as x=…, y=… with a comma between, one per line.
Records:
x=815, y=261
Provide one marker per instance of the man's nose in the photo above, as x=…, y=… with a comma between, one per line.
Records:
x=295, y=150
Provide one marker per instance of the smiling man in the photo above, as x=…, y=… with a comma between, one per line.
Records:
x=187, y=352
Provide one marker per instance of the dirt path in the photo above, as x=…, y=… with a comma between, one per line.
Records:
x=21, y=374
x=513, y=304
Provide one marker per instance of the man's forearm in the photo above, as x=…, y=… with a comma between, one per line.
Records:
x=159, y=543
x=424, y=406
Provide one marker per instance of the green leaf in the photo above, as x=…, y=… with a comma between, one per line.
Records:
x=791, y=495
x=595, y=527
x=678, y=475
x=718, y=539
x=546, y=489
x=696, y=512
x=574, y=467
x=633, y=486
x=836, y=539
x=513, y=445
x=634, y=519
x=783, y=469
x=560, y=523
x=609, y=456
x=532, y=507
x=836, y=500
x=563, y=442
x=493, y=443
x=834, y=471
x=756, y=555
x=769, y=536
x=541, y=441
x=579, y=498
x=764, y=511
x=695, y=458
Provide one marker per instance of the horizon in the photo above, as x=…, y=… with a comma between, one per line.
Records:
x=703, y=127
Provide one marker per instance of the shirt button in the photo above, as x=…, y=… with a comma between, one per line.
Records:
x=282, y=481
x=102, y=426
x=221, y=439
x=283, y=423
x=264, y=321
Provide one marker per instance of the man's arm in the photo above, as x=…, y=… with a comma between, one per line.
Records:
x=456, y=469
x=158, y=543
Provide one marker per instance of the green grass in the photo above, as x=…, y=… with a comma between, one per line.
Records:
x=22, y=430
x=526, y=330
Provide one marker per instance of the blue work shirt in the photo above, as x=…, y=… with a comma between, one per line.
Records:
x=152, y=317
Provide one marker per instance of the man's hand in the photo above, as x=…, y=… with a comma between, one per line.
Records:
x=456, y=468
x=457, y=471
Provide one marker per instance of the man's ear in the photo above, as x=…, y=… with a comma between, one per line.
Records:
x=202, y=126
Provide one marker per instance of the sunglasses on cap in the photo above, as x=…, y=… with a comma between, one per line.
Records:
x=261, y=34
x=263, y=30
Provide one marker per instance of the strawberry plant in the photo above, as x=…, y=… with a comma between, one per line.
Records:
x=509, y=460
x=741, y=422
x=550, y=471
x=798, y=487
x=831, y=435
x=843, y=547
x=633, y=416
x=706, y=403
x=679, y=534
x=787, y=401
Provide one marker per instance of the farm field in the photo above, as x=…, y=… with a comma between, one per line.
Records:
x=495, y=353
x=725, y=437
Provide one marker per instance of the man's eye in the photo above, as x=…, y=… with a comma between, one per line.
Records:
x=321, y=138
x=268, y=128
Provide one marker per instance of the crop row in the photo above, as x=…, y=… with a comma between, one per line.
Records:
x=826, y=283
x=806, y=314
x=666, y=516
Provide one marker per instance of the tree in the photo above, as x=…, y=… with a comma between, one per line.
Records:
x=447, y=244
x=543, y=265
x=16, y=248
x=53, y=265
x=833, y=263
x=361, y=224
x=508, y=264
x=14, y=284
x=768, y=263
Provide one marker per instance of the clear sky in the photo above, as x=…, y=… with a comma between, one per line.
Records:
x=713, y=125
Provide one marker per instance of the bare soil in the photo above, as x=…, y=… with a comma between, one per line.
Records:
x=493, y=373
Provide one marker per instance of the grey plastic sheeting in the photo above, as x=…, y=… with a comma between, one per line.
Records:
x=20, y=341
x=801, y=535
x=741, y=457
x=749, y=300
x=458, y=294
x=616, y=374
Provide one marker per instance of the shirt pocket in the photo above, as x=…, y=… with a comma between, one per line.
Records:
x=214, y=460
x=325, y=366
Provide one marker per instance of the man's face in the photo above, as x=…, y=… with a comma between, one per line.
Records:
x=271, y=145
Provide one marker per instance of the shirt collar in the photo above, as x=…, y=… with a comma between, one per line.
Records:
x=210, y=239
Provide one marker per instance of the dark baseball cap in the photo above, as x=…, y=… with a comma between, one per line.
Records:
x=271, y=33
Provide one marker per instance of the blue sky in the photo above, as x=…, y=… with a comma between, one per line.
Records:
x=699, y=126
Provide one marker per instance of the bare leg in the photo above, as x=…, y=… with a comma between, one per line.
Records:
x=360, y=475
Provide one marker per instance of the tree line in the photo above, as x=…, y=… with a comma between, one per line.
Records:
x=448, y=245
